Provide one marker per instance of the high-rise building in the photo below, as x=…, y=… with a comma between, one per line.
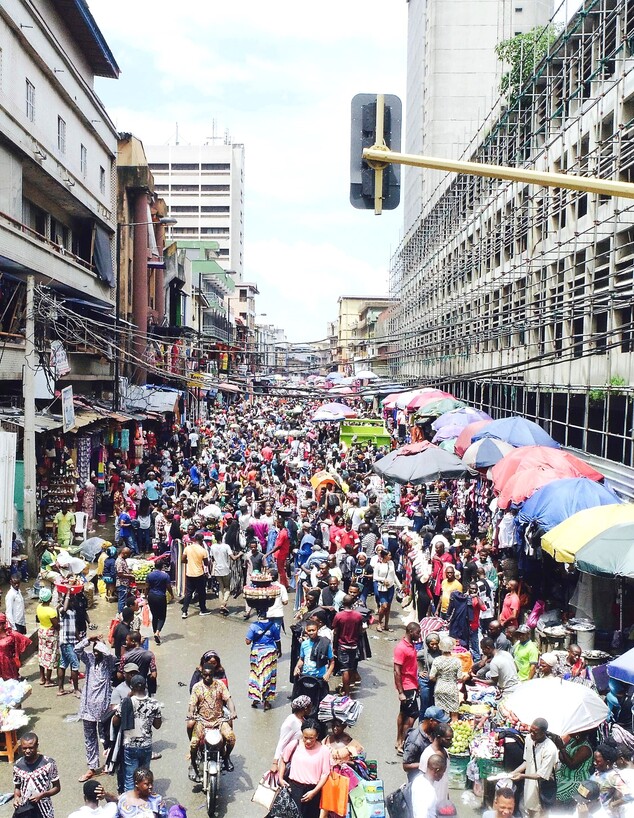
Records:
x=203, y=186
x=453, y=76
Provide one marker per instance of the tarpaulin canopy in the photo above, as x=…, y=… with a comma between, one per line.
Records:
x=559, y=500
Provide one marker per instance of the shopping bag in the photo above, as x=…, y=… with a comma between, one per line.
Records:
x=334, y=794
x=266, y=790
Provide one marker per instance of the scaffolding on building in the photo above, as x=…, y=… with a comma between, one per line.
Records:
x=510, y=293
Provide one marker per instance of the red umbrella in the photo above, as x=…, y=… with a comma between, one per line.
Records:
x=540, y=457
x=524, y=484
x=418, y=401
x=464, y=438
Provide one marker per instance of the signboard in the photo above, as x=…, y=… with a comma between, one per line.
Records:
x=7, y=477
x=68, y=409
x=59, y=359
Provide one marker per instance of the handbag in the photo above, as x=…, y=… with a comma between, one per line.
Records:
x=27, y=810
x=334, y=794
x=266, y=790
x=284, y=805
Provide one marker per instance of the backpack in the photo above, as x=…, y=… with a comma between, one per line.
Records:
x=399, y=802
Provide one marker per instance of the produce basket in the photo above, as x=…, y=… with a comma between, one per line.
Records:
x=62, y=588
x=489, y=766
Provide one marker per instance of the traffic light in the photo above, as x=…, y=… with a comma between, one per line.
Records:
x=363, y=178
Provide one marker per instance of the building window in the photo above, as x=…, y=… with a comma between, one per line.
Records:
x=61, y=135
x=243, y=295
x=83, y=163
x=102, y=179
x=30, y=101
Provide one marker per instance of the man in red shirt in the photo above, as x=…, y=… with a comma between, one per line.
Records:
x=511, y=606
x=406, y=682
x=281, y=551
x=348, y=536
x=347, y=628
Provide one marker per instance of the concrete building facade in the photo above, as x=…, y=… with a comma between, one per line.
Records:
x=356, y=324
x=453, y=77
x=57, y=187
x=203, y=186
x=519, y=298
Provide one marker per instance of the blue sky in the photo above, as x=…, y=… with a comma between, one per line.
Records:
x=279, y=76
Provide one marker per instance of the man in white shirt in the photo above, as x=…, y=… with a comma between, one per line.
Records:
x=222, y=556
x=423, y=794
x=14, y=606
x=540, y=759
x=93, y=794
x=276, y=612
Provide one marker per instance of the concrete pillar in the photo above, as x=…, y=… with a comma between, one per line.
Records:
x=160, y=275
x=140, y=285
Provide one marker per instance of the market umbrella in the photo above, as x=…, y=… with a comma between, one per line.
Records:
x=462, y=417
x=610, y=553
x=524, y=484
x=518, y=432
x=566, y=706
x=448, y=445
x=622, y=668
x=338, y=409
x=321, y=478
x=486, y=452
x=403, y=400
x=449, y=432
x=420, y=463
x=438, y=407
x=366, y=375
x=424, y=399
x=531, y=457
x=564, y=540
x=464, y=438
x=556, y=501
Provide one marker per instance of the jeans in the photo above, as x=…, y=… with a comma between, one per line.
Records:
x=195, y=585
x=144, y=540
x=474, y=644
x=122, y=593
x=133, y=758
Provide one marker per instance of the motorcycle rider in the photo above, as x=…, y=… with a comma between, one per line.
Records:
x=208, y=697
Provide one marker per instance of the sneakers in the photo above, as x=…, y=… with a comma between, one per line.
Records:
x=205, y=613
x=184, y=615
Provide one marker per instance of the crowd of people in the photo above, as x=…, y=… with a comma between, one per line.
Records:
x=257, y=491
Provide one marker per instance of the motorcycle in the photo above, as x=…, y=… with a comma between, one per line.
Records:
x=209, y=762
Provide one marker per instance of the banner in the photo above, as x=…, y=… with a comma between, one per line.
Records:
x=59, y=360
x=68, y=409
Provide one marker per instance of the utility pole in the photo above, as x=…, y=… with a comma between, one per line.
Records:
x=30, y=362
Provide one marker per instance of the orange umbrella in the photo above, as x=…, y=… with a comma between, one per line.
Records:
x=464, y=438
x=527, y=458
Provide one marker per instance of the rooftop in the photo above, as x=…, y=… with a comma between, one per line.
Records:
x=88, y=37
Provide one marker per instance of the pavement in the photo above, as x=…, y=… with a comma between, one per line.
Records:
x=51, y=717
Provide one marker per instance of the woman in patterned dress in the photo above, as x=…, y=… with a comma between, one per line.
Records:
x=264, y=638
x=446, y=672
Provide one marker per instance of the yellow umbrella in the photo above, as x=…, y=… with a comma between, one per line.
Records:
x=564, y=540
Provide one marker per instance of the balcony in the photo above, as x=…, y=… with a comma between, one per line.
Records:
x=216, y=327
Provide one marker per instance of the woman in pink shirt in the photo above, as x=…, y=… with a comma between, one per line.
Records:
x=309, y=766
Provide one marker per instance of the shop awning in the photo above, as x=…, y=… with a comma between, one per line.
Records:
x=229, y=387
x=151, y=399
x=43, y=423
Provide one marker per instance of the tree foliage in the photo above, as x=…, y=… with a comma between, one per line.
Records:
x=522, y=54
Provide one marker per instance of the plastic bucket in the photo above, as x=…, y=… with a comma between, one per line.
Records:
x=585, y=635
x=101, y=519
x=458, y=771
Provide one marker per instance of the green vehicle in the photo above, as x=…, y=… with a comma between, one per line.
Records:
x=364, y=430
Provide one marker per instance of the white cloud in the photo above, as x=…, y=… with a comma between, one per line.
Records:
x=279, y=76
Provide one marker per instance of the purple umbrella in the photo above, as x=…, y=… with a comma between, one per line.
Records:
x=451, y=430
x=460, y=417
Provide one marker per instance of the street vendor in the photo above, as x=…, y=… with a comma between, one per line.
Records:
x=64, y=526
x=537, y=770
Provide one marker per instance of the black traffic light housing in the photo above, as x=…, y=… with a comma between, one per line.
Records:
x=363, y=135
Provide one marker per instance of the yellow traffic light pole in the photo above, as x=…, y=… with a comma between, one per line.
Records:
x=378, y=156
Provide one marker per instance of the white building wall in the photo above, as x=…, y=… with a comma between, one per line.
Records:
x=453, y=77
x=203, y=186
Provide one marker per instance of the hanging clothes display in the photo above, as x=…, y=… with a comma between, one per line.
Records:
x=125, y=440
x=83, y=458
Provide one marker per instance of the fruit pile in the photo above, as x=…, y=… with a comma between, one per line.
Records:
x=462, y=735
x=141, y=569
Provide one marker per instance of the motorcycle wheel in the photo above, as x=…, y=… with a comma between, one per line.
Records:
x=212, y=793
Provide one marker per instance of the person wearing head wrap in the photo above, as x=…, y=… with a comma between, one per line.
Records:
x=47, y=637
x=548, y=665
x=12, y=644
x=446, y=672
x=291, y=729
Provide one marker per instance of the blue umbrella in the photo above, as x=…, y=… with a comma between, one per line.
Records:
x=622, y=668
x=556, y=501
x=517, y=431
